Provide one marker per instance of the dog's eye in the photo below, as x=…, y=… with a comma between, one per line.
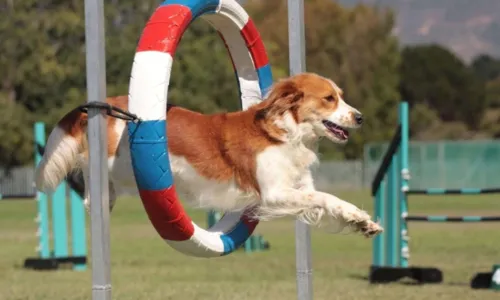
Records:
x=330, y=98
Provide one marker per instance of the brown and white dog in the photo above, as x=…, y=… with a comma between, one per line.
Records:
x=228, y=161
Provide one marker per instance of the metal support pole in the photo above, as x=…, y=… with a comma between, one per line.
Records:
x=296, y=40
x=98, y=185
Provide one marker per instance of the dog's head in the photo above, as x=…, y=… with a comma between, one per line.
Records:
x=309, y=104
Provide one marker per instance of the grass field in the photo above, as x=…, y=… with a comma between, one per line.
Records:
x=143, y=267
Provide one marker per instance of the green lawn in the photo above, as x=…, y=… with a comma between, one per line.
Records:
x=144, y=267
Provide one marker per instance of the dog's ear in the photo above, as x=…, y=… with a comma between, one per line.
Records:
x=284, y=95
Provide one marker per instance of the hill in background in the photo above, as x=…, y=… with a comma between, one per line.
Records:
x=467, y=27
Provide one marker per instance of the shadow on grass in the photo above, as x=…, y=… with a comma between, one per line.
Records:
x=410, y=282
x=481, y=280
x=365, y=278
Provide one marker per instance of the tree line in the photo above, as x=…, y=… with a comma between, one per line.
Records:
x=42, y=70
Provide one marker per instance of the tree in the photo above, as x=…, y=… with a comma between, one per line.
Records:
x=493, y=93
x=486, y=67
x=43, y=65
x=355, y=47
x=434, y=76
x=35, y=38
x=203, y=80
x=14, y=134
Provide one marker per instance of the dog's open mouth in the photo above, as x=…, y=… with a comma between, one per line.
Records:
x=336, y=130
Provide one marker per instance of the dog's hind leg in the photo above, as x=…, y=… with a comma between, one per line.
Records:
x=87, y=200
x=112, y=195
x=86, y=180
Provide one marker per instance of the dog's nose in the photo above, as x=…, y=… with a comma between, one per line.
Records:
x=359, y=118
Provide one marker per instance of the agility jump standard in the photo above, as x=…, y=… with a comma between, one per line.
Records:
x=52, y=228
x=390, y=189
x=60, y=255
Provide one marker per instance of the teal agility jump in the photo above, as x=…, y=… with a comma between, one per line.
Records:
x=452, y=219
x=54, y=253
x=390, y=189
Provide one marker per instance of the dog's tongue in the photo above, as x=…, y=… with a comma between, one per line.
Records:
x=341, y=132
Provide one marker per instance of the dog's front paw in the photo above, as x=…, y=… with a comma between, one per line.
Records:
x=360, y=221
x=369, y=228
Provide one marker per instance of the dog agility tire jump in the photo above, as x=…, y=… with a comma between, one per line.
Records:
x=148, y=93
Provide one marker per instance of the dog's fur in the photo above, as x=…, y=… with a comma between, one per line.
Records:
x=258, y=157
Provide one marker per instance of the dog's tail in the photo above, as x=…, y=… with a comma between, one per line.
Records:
x=65, y=143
